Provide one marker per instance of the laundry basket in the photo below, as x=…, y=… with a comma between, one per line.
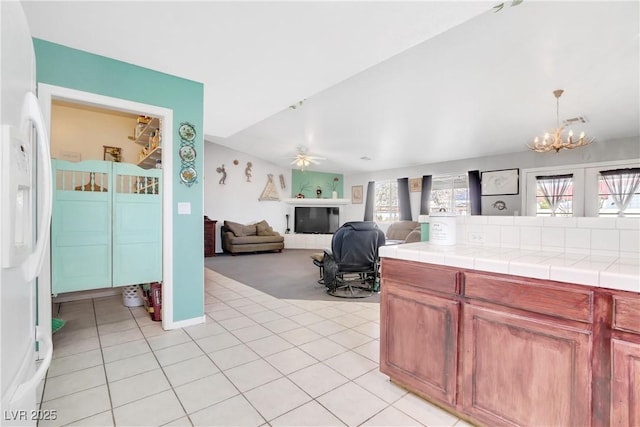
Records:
x=131, y=296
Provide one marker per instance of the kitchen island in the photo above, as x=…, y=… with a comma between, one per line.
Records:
x=505, y=336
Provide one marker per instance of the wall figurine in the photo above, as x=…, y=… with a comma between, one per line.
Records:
x=222, y=170
x=282, y=181
x=269, y=192
x=247, y=171
x=500, y=205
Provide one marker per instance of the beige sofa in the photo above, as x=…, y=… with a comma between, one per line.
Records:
x=240, y=238
x=403, y=232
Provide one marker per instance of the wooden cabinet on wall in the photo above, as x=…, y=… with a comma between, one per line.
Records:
x=209, y=237
x=520, y=351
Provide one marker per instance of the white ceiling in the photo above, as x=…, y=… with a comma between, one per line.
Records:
x=404, y=83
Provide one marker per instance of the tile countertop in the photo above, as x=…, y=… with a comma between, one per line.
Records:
x=601, y=271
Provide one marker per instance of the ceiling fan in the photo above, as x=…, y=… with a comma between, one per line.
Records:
x=302, y=159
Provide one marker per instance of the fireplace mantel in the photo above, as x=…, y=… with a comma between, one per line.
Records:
x=316, y=202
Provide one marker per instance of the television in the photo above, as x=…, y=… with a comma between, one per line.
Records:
x=316, y=219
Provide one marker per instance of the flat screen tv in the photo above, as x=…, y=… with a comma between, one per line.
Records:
x=316, y=219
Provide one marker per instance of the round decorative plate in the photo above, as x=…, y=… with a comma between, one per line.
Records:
x=187, y=131
x=188, y=175
x=187, y=153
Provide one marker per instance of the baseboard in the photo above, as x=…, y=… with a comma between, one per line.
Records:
x=184, y=323
x=80, y=295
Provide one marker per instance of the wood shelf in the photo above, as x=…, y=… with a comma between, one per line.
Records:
x=147, y=131
x=145, y=139
x=149, y=161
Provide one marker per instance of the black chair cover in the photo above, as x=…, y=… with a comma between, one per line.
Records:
x=354, y=249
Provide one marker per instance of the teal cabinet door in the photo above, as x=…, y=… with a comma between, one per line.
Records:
x=137, y=225
x=81, y=226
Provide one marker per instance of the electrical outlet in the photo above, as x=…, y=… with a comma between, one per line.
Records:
x=476, y=237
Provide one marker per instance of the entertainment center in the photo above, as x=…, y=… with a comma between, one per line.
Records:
x=314, y=221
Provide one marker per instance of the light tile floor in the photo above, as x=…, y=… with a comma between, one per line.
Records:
x=257, y=361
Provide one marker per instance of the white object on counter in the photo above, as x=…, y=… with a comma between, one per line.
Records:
x=442, y=228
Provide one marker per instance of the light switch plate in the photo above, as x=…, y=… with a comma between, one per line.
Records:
x=184, y=208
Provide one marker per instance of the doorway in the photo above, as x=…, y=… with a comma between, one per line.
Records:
x=48, y=95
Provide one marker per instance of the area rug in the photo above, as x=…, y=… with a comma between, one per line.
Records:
x=286, y=275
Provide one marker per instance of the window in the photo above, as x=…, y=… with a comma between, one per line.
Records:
x=619, y=192
x=386, y=207
x=450, y=193
x=588, y=194
x=554, y=195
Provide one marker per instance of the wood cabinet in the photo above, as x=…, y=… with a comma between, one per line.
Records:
x=503, y=350
x=209, y=237
x=625, y=362
x=520, y=371
x=526, y=351
x=420, y=332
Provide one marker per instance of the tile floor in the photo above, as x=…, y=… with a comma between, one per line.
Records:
x=258, y=361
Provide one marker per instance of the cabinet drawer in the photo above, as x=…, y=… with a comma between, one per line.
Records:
x=421, y=275
x=626, y=314
x=545, y=298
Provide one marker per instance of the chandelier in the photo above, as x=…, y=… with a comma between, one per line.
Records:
x=555, y=140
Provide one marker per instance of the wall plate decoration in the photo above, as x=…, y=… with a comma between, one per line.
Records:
x=188, y=154
x=187, y=131
x=188, y=175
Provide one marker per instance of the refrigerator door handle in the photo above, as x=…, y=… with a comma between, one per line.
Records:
x=30, y=385
x=33, y=263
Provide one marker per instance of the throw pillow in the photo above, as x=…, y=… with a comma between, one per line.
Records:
x=249, y=230
x=264, y=229
x=235, y=228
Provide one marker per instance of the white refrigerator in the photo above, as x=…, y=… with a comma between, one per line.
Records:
x=25, y=217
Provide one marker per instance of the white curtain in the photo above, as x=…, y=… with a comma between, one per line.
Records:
x=554, y=188
x=622, y=185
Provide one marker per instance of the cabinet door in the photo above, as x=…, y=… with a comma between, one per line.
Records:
x=137, y=225
x=625, y=380
x=418, y=341
x=81, y=226
x=522, y=371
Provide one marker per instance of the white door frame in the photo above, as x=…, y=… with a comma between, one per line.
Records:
x=46, y=95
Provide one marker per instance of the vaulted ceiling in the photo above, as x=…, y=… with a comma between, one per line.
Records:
x=402, y=83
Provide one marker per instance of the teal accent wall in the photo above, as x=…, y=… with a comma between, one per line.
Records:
x=63, y=66
x=307, y=182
